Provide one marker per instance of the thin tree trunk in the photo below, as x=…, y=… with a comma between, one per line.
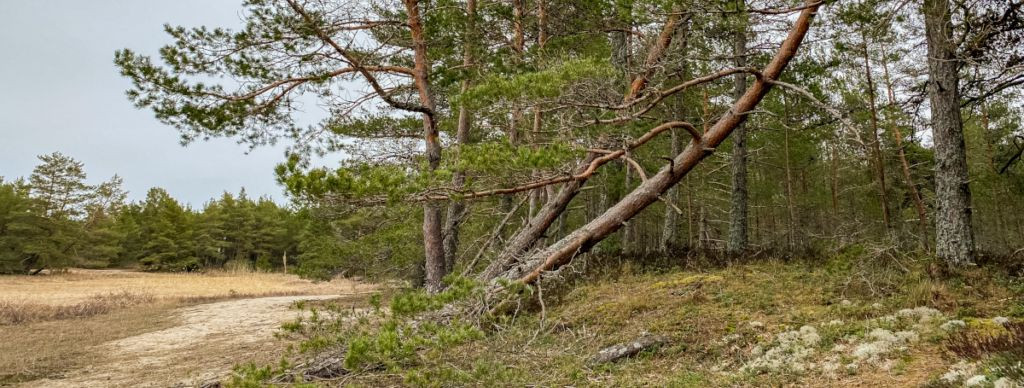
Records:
x=457, y=211
x=915, y=195
x=538, y=225
x=790, y=216
x=954, y=238
x=668, y=229
x=628, y=231
x=876, y=148
x=582, y=239
x=834, y=172
x=738, y=223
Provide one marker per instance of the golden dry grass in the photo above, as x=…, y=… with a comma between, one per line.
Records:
x=58, y=323
x=51, y=348
x=78, y=285
x=17, y=312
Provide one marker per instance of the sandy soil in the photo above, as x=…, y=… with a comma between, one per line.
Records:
x=207, y=342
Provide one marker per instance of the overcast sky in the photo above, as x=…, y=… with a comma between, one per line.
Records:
x=60, y=91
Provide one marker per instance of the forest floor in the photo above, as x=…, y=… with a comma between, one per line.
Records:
x=842, y=322
x=123, y=328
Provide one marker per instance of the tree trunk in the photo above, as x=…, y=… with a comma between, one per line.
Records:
x=629, y=230
x=668, y=229
x=790, y=206
x=528, y=236
x=433, y=245
x=541, y=219
x=834, y=172
x=915, y=195
x=954, y=239
x=457, y=208
x=596, y=230
x=876, y=147
x=738, y=225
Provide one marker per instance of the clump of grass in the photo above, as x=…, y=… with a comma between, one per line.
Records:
x=1003, y=348
x=15, y=312
x=232, y=294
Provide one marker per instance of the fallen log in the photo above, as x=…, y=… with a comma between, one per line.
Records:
x=628, y=349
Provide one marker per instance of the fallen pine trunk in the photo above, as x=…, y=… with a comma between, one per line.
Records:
x=562, y=252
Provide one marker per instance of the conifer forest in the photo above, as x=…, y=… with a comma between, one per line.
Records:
x=582, y=192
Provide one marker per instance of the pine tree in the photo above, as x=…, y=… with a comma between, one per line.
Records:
x=58, y=184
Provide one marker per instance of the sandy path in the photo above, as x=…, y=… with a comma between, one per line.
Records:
x=209, y=340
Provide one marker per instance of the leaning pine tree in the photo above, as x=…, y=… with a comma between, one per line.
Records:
x=389, y=72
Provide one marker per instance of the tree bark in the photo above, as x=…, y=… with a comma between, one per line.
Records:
x=457, y=211
x=954, y=238
x=834, y=175
x=670, y=226
x=538, y=225
x=738, y=224
x=648, y=192
x=876, y=147
x=433, y=246
x=915, y=194
x=790, y=206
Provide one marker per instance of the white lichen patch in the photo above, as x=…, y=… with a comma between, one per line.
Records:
x=953, y=325
x=959, y=372
x=792, y=351
x=976, y=381
x=907, y=336
x=921, y=314
x=1004, y=382
x=872, y=351
x=876, y=343
x=882, y=335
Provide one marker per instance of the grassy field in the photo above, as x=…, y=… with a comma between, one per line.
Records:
x=59, y=324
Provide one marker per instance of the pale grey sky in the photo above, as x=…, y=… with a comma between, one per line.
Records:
x=60, y=91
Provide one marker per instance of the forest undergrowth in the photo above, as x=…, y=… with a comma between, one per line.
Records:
x=862, y=316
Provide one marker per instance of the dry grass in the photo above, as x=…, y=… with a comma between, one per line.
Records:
x=57, y=323
x=79, y=293
x=79, y=285
x=15, y=312
x=51, y=348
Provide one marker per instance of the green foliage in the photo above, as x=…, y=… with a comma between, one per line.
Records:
x=18, y=226
x=396, y=340
x=410, y=303
x=380, y=339
x=371, y=242
x=547, y=83
x=67, y=222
